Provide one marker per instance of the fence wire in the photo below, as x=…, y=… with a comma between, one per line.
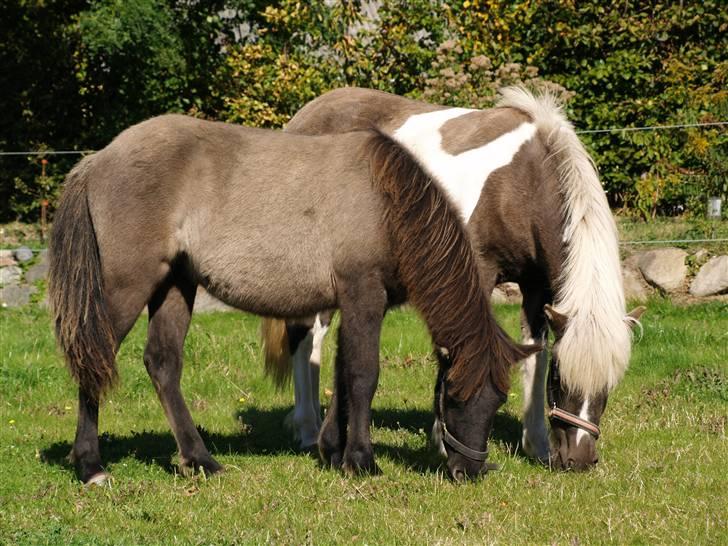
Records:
x=578, y=132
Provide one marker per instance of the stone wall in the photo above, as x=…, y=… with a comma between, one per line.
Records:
x=681, y=275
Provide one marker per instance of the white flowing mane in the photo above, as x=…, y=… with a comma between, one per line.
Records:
x=595, y=348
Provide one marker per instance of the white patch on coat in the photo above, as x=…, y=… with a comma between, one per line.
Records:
x=462, y=176
x=584, y=414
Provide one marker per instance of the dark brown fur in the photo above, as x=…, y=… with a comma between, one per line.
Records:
x=449, y=291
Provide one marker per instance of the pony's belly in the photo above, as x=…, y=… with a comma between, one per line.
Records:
x=265, y=284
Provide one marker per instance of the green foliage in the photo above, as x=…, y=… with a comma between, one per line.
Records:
x=79, y=72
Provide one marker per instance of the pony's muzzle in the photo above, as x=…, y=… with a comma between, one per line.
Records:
x=570, y=453
x=462, y=471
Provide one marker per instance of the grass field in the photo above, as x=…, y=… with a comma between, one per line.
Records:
x=662, y=476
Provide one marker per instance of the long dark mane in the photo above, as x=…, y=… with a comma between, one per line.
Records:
x=439, y=268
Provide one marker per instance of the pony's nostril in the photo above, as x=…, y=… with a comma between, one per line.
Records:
x=458, y=475
x=596, y=459
x=570, y=463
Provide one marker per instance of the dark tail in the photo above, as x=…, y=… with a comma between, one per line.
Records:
x=439, y=267
x=75, y=289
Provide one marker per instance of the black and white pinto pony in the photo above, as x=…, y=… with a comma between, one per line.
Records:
x=528, y=190
x=279, y=225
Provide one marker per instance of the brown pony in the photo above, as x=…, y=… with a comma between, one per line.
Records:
x=278, y=225
x=523, y=182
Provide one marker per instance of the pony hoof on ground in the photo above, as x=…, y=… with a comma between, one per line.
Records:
x=540, y=454
x=207, y=467
x=331, y=459
x=100, y=479
x=360, y=464
x=309, y=449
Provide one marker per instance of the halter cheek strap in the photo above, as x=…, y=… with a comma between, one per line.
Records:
x=561, y=414
x=453, y=442
x=574, y=420
x=460, y=447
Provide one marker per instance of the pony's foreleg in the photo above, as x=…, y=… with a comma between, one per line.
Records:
x=362, y=303
x=535, y=440
x=169, y=318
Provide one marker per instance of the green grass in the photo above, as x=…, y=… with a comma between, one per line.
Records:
x=661, y=479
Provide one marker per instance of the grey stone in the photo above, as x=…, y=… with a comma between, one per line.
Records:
x=205, y=303
x=38, y=272
x=712, y=278
x=635, y=287
x=701, y=256
x=23, y=254
x=498, y=296
x=664, y=268
x=4, y=253
x=10, y=275
x=15, y=295
x=507, y=292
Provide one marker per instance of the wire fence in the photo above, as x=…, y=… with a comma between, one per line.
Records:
x=624, y=243
x=578, y=131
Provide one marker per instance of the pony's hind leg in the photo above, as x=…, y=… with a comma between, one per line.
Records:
x=124, y=308
x=170, y=310
x=347, y=425
x=535, y=440
x=305, y=419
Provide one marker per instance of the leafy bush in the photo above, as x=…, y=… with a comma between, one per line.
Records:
x=625, y=64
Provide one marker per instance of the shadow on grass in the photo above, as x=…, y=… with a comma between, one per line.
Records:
x=425, y=459
x=263, y=434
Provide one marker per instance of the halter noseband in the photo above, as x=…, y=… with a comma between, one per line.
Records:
x=562, y=415
x=450, y=440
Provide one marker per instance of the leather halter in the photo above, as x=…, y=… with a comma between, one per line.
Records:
x=556, y=413
x=453, y=442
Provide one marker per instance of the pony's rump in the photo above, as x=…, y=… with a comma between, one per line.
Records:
x=75, y=289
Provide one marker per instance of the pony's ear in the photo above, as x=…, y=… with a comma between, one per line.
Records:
x=557, y=321
x=633, y=317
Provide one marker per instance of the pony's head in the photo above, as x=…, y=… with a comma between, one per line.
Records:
x=463, y=424
x=574, y=414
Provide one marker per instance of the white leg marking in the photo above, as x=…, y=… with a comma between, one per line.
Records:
x=462, y=176
x=535, y=439
x=319, y=332
x=584, y=414
x=437, y=437
x=304, y=421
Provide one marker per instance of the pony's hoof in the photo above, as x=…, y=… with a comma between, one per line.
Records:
x=99, y=479
x=539, y=450
x=360, y=463
x=331, y=459
x=207, y=466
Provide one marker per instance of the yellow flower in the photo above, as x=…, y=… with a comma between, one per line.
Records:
x=12, y=421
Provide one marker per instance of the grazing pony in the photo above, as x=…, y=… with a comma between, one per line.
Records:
x=523, y=182
x=279, y=225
